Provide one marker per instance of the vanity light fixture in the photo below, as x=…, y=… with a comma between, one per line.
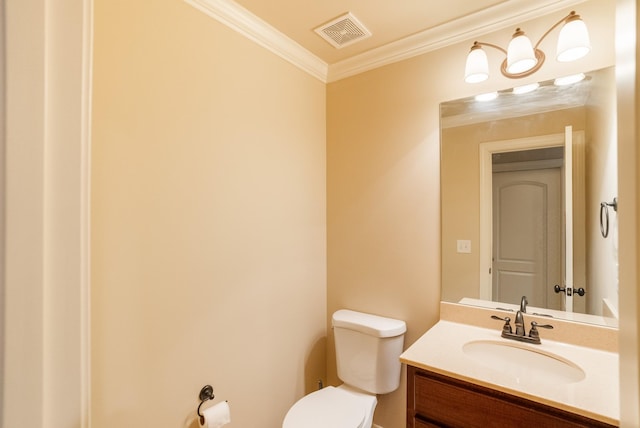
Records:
x=522, y=58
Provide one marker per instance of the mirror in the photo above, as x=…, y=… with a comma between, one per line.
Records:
x=523, y=182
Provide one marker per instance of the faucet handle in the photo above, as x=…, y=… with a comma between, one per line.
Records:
x=506, y=328
x=534, y=333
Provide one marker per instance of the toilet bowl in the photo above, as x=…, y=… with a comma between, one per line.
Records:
x=340, y=407
x=368, y=348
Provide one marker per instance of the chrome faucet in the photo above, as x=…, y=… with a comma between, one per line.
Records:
x=520, y=333
x=523, y=304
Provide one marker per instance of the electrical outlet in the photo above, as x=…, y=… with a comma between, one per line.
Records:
x=464, y=246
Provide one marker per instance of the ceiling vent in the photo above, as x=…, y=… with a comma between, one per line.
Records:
x=343, y=31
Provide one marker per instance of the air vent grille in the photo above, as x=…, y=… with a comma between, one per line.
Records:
x=343, y=31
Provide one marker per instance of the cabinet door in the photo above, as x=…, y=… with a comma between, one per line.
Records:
x=448, y=402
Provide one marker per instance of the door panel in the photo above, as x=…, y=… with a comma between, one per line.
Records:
x=527, y=229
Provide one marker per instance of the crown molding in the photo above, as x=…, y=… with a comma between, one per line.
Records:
x=495, y=18
x=244, y=22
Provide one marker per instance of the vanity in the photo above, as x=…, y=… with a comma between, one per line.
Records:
x=462, y=373
x=505, y=241
x=437, y=400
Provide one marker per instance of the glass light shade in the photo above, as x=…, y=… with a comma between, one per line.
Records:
x=477, y=68
x=573, y=41
x=520, y=55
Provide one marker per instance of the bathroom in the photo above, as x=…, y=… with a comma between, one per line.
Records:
x=236, y=202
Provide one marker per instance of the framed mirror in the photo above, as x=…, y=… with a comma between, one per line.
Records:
x=528, y=184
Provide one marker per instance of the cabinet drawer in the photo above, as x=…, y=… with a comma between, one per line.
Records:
x=417, y=423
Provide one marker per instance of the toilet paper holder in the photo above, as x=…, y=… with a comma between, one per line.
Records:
x=206, y=393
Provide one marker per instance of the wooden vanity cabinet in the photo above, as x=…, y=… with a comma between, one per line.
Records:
x=435, y=400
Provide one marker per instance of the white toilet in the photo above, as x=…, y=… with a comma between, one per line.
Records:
x=368, y=348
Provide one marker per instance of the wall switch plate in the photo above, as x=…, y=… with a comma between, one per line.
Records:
x=464, y=246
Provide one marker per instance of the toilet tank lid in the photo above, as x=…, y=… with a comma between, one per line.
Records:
x=372, y=325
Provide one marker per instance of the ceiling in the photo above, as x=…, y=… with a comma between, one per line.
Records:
x=388, y=20
x=400, y=28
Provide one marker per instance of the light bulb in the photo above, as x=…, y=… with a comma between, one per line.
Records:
x=490, y=96
x=569, y=80
x=524, y=89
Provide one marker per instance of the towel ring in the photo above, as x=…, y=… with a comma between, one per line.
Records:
x=604, y=222
x=206, y=393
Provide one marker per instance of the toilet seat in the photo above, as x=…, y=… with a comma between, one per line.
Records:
x=328, y=407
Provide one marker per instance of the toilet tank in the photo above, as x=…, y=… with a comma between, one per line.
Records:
x=368, y=348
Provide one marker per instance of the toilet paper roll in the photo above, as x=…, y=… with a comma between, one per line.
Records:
x=215, y=416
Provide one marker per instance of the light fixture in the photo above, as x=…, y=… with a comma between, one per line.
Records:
x=522, y=58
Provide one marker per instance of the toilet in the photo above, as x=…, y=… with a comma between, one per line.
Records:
x=368, y=348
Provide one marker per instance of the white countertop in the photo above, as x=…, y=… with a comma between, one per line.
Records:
x=596, y=396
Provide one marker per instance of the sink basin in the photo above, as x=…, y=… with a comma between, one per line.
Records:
x=523, y=363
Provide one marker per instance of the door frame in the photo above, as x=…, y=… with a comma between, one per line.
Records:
x=46, y=371
x=486, y=150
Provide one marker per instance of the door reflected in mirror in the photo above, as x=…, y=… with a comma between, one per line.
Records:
x=522, y=182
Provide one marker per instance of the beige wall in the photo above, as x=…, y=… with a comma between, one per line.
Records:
x=383, y=205
x=383, y=189
x=602, y=185
x=416, y=288
x=208, y=221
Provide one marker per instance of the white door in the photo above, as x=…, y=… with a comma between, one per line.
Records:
x=527, y=236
